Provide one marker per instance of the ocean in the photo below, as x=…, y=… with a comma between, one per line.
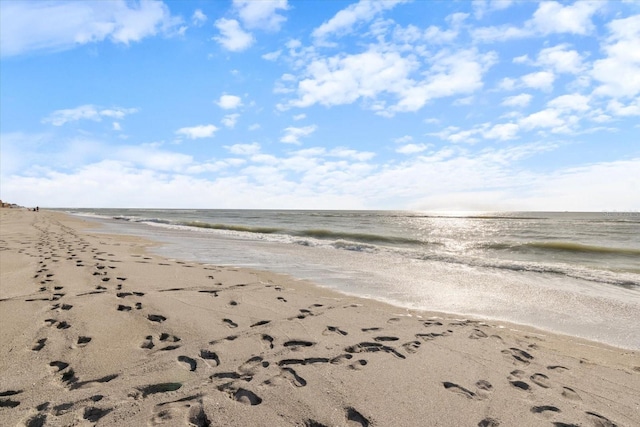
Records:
x=573, y=273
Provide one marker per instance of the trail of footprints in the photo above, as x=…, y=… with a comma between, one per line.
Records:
x=235, y=384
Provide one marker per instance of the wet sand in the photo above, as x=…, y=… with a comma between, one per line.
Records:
x=96, y=331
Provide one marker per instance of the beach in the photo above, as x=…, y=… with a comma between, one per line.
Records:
x=99, y=330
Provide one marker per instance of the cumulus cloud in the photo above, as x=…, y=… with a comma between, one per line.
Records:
x=619, y=72
x=292, y=134
x=541, y=80
x=520, y=101
x=197, y=132
x=229, y=102
x=374, y=74
x=345, y=20
x=39, y=26
x=86, y=112
x=198, y=18
x=560, y=59
x=230, y=120
x=232, y=37
x=261, y=14
x=342, y=178
x=244, y=149
x=553, y=17
x=550, y=18
x=411, y=148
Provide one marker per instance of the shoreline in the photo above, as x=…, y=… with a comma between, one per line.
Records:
x=514, y=299
x=172, y=342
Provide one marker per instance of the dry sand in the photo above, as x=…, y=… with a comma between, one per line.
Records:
x=95, y=331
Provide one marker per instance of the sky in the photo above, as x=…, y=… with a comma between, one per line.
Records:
x=421, y=105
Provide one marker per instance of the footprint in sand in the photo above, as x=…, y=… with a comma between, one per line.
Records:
x=482, y=386
x=358, y=364
x=540, y=379
x=190, y=363
x=411, y=346
x=83, y=341
x=230, y=323
x=518, y=355
x=250, y=366
x=244, y=396
x=520, y=385
x=39, y=344
x=298, y=344
x=570, y=393
x=260, y=323
x=599, y=420
x=267, y=340
x=336, y=330
x=373, y=347
x=544, y=409
x=356, y=418
x=148, y=343
x=477, y=334
x=293, y=377
x=210, y=356
x=156, y=318
x=385, y=339
x=489, y=422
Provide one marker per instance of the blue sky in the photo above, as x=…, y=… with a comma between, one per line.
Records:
x=426, y=105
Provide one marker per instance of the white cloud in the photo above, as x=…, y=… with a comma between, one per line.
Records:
x=361, y=156
x=301, y=116
x=550, y=18
x=230, y=120
x=619, y=71
x=292, y=134
x=117, y=126
x=345, y=20
x=272, y=56
x=229, y=102
x=232, y=36
x=542, y=80
x=520, y=101
x=560, y=59
x=86, y=112
x=403, y=139
x=618, y=109
x=481, y=7
x=411, y=148
x=261, y=14
x=27, y=26
x=198, y=18
x=343, y=79
x=502, y=132
x=244, y=149
x=374, y=74
x=548, y=118
x=573, y=102
x=197, y=132
x=254, y=126
x=451, y=178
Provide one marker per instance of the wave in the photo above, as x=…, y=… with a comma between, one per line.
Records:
x=628, y=281
x=358, y=237
x=564, y=247
x=243, y=228
x=320, y=234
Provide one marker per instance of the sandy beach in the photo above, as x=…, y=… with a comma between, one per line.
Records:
x=96, y=330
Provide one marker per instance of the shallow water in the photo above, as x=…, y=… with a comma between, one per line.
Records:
x=575, y=273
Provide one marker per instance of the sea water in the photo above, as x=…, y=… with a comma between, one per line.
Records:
x=573, y=273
